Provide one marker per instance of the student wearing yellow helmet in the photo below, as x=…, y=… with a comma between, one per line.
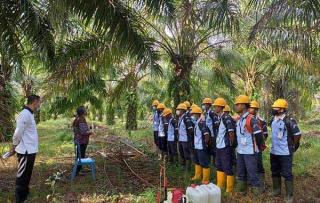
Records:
x=171, y=131
x=212, y=121
x=155, y=121
x=201, y=140
x=249, y=136
x=285, y=141
x=185, y=131
x=188, y=105
x=161, y=135
x=254, y=110
x=225, y=143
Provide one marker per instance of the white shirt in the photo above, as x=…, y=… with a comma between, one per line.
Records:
x=26, y=136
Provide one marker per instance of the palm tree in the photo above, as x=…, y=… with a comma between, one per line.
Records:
x=267, y=75
x=285, y=24
x=195, y=29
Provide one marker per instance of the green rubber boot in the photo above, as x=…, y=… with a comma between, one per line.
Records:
x=276, y=186
x=241, y=186
x=289, y=191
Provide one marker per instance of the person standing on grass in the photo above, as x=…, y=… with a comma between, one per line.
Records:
x=162, y=142
x=81, y=132
x=25, y=144
x=200, y=141
x=285, y=141
x=212, y=122
x=171, y=131
x=185, y=129
x=155, y=122
x=225, y=143
x=254, y=109
x=249, y=138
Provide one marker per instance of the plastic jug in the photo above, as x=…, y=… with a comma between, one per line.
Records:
x=214, y=193
x=195, y=194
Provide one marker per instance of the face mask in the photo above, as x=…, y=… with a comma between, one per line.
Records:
x=154, y=108
x=178, y=112
x=194, y=118
x=203, y=107
x=275, y=112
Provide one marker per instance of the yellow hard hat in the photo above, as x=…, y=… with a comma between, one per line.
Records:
x=196, y=109
x=193, y=105
x=242, y=99
x=166, y=112
x=280, y=103
x=207, y=101
x=182, y=106
x=161, y=106
x=155, y=102
x=226, y=108
x=219, y=102
x=187, y=103
x=255, y=104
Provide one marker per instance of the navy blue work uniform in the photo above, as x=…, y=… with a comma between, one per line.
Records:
x=224, y=147
x=283, y=131
x=171, y=130
x=263, y=126
x=212, y=121
x=246, y=149
x=201, y=152
x=156, y=127
x=185, y=129
x=162, y=137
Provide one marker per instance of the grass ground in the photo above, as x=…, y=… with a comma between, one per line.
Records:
x=116, y=183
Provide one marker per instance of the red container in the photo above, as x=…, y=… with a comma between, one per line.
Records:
x=177, y=195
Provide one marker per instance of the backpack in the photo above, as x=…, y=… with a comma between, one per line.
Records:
x=248, y=127
x=286, y=120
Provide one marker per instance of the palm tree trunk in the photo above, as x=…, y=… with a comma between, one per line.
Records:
x=132, y=110
x=180, y=84
x=110, y=114
x=6, y=102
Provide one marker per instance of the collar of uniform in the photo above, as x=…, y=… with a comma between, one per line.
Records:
x=245, y=115
x=280, y=117
x=223, y=113
x=25, y=107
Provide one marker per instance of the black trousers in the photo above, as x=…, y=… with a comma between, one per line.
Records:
x=25, y=167
x=281, y=165
x=83, y=148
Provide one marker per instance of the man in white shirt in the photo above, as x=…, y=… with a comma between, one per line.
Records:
x=25, y=144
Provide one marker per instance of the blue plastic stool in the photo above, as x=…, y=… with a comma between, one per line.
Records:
x=81, y=162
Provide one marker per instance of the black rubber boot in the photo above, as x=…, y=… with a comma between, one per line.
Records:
x=262, y=181
x=289, y=191
x=276, y=186
x=188, y=165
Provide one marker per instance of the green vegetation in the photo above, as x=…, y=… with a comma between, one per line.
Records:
x=54, y=163
x=116, y=57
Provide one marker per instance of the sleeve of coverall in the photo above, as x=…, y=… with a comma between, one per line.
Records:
x=230, y=129
x=205, y=131
x=176, y=129
x=295, y=132
x=264, y=129
x=21, y=124
x=165, y=126
x=256, y=131
x=189, y=126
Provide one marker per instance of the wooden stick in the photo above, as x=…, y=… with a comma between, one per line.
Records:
x=133, y=148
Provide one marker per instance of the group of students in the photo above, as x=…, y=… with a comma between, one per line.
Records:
x=205, y=134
